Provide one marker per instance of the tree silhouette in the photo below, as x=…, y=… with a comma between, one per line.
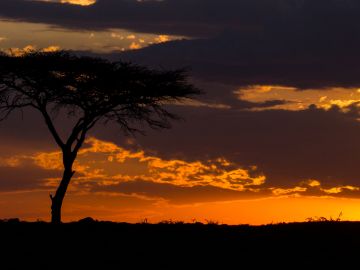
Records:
x=89, y=90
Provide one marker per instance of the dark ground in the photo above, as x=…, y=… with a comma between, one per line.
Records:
x=106, y=245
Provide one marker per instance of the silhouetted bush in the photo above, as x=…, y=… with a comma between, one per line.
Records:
x=87, y=220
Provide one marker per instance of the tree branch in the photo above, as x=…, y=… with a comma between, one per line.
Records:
x=52, y=128
x=79, y=142
x=75, y=132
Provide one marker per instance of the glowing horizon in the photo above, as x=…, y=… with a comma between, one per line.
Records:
x=103, y=167
x=72, y=2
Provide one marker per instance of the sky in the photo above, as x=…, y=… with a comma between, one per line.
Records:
x=275, y=137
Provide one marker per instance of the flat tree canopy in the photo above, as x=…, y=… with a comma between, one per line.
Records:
x=89, y=90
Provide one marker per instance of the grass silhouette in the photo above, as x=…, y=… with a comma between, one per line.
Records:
x=176, y=245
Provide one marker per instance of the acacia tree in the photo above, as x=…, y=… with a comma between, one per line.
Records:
x=89, y=90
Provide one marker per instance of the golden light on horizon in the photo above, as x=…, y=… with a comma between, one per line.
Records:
x=30, y=48
x=79, y=2
x=102, y=166
x=31, y=206
x=72, y=2
x=38, y=36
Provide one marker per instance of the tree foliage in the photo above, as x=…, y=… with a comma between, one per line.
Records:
x=90, y=89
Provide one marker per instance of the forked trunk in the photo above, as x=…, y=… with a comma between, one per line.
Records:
x=57, y=200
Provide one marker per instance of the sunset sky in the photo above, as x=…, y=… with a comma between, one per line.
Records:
x=274, y=138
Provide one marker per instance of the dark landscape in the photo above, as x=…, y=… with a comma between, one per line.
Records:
x=107, y=245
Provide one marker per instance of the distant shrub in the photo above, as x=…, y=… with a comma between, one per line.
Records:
x=13, y=220
x=87, y=220
x=171, y=222
x=324, y=219
x=144, y=221
x=211, y=222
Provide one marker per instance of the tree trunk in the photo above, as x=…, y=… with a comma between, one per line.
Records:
x=57, y=200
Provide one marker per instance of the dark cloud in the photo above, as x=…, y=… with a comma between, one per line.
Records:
x=25, y=178
x=177, y=194
x=24, y=131
x=202, y=194
x=185, y=17
x=302, y=62
x=302, y=43
x=287, y=146
x=189, y=17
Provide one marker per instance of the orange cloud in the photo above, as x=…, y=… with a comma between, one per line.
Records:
x=51, y=49
x=300, y=99
x=337, y=190
x=108, y=163
x=134, y=46
x=21, y=51
x=287, y=191
x=72, y=2
x=162, y=39
x=12, y=162
x=30, y=48
x=117, y=36
x=314, y=183
x=80, y=2
x=132, y=36
x=105, y=164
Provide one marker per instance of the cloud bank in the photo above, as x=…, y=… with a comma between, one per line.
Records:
x=299, y=43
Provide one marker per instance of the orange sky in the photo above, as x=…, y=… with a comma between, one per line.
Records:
x=103, y=167
x=35, y=205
